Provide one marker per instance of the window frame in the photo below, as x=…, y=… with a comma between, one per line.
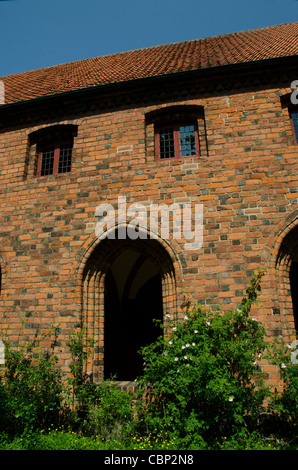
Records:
x=54, y=137
x=175, y=125
x=56, y=145
x=294, y=110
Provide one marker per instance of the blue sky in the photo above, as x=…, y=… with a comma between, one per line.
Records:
x=41, y=33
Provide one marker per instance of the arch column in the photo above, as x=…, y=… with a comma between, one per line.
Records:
x=280, y=252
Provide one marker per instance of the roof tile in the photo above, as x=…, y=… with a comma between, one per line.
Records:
x=252, y=45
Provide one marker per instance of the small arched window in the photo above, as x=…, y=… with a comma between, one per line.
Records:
x=54, y=149
x=179, y=132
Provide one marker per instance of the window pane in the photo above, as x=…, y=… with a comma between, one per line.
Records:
x=187, y=141
x=295, y=122
x=65, y=158
x=47, y=162
x=166, y=140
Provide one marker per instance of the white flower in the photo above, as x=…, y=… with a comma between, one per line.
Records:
x=231, y=399
x=193, y=344
x=176, y=359
x=182, y=347
x=187, y=345
x=254, y=319
x=208, y=323
x=168, y=315
x=283, y=366
x=170, y=342
x=195, y=331
x=178, y=371
x=185, y=357
x=186, y=317
x=174, y=328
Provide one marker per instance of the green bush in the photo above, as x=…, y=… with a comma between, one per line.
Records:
x=101, y=409
x=284, y=406
x=80, y=349
x=31, y=389
x=200, y=374
x=201, y=389
x=110, y=414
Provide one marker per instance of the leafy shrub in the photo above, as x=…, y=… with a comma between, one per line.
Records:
x=80, y=350
x=102, y=409
x=284, y=406
x=200, y=373
x=201, y=389
x=31, y=389
x=111, y=414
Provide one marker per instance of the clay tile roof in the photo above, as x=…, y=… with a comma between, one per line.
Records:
x=245, y=46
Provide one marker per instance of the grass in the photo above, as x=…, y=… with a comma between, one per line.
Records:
x=54, y=439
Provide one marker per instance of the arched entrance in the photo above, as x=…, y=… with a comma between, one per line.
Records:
x=126, y=285
x=287, y=271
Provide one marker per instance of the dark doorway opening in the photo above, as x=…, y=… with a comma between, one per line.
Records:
x=294, y=290
x=133, y=300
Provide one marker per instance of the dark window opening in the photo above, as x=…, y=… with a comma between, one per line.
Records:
x=166, y=143
x=65, y=158
x=47, y=162
x=294, y=290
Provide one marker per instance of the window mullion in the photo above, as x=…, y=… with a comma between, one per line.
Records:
x=39, y=163
x=157, y=144
x=197, y=140
x=177, y=141
x=56, y=160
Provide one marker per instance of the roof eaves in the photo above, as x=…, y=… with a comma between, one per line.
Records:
x=221, y=69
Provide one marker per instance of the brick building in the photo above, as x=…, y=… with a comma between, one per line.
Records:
x=208, y=122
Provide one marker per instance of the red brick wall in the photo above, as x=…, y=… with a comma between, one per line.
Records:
x=246, y=180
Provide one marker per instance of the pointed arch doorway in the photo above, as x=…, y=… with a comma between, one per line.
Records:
x=287, y=270
x=127, y=284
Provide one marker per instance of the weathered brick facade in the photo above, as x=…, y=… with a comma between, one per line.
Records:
x=53, y=267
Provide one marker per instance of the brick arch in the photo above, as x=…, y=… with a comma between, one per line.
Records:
x=280, y=251
x=98, y=256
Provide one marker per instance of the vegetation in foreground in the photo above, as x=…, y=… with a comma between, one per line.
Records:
x=202, y=388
